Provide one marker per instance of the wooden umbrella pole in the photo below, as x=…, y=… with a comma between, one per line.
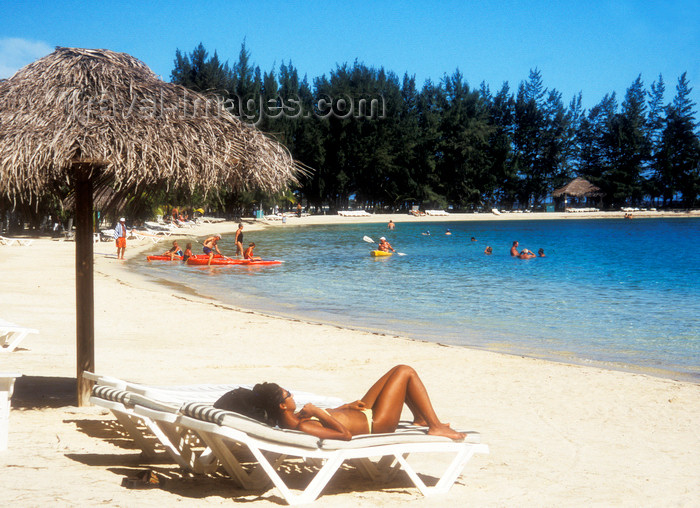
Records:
x=84, y=291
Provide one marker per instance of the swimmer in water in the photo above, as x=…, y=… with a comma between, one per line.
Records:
x=514, y=249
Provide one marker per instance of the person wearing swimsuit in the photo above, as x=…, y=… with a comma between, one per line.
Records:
x=377, y=412
x=238, y=239
x=209, y=245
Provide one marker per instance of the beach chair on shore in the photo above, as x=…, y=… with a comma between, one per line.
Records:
x=7, y=385
x=149, y=416
x=24, y=242
x=151, y=436
x=155, y=237
x=271, y=447
x=11, y=335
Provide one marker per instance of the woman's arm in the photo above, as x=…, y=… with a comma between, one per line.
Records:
x=326, y=428
x=358, y=404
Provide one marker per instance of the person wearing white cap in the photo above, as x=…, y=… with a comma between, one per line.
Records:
x=120, y=237
x=209, y=246
x=385, y=246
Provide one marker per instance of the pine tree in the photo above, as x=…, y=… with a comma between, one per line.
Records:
x=679, y=159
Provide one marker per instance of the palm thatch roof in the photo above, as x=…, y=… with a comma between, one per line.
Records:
x=95, y=119
x=110, y=111
x=578, y=187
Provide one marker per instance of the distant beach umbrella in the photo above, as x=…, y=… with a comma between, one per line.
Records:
x=578, y=187
x=92, y=119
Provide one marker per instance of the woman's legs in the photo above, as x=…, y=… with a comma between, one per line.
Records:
x=398, y=386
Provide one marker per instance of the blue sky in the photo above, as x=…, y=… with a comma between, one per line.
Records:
x=595, y=47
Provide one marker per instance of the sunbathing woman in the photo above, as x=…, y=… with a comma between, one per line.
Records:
x=377, y=412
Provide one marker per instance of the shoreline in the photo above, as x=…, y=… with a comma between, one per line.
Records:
x=564, y=357
x=558, y=432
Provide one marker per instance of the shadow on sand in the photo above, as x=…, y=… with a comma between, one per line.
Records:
x=192, y=486
x=41, y=392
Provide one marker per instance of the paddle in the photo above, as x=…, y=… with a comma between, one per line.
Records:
x=369, y=240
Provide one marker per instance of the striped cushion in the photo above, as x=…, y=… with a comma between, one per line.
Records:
x=249, y=426
x=109, y=393
x=205, y=412
x=148, y=402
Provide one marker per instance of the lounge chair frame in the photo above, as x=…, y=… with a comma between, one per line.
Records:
x=199, y=438
x=11, y=335
x=393, y=457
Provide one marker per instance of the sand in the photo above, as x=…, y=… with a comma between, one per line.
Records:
x=560, y=434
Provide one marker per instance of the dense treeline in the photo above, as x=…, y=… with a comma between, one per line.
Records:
x=369, y=134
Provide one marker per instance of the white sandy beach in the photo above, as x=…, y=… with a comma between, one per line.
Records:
x=559, y=434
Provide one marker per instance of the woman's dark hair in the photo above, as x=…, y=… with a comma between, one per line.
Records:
x=262, y=403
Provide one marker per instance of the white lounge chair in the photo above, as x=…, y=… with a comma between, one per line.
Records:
x=221, y=430
x=149, y=413
x=210, y=220
x=147, y=235
x=11, y=335
x=199, y=437
x=151, y=436
x=7, y=384
x=354, y=213
x=24, y=242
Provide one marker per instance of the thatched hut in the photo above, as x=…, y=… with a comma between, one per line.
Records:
x=93, y=118
x=580, y=190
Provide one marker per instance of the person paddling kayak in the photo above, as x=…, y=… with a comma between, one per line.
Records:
x=385, y=246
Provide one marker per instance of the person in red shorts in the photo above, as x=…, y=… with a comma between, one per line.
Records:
x=120, y=237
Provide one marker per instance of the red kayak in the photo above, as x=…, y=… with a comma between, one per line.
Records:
x=220, y=260
x=163, y=258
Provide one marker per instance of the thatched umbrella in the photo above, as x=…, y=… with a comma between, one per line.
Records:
x=84, y=116
x=579, y=188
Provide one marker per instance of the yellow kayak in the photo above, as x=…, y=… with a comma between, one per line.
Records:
x=379, y=253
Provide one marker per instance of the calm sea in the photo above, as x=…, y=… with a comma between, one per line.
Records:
x=615, y=293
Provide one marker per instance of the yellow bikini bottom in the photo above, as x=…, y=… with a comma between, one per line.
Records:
x=368, y=415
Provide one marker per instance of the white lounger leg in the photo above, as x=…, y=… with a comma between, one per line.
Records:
x=7, y=384
x=449, y=476
x=313, y=489
x=245, y=479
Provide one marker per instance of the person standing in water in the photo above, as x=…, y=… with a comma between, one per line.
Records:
x=391, y=225
x=514, y=249
x=239, y=240
x=210, y=245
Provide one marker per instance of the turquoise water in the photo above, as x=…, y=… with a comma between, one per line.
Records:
x=616, y=293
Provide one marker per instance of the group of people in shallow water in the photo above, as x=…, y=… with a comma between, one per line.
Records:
x=523, y=254
x=210, y=245
x=377, y=412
